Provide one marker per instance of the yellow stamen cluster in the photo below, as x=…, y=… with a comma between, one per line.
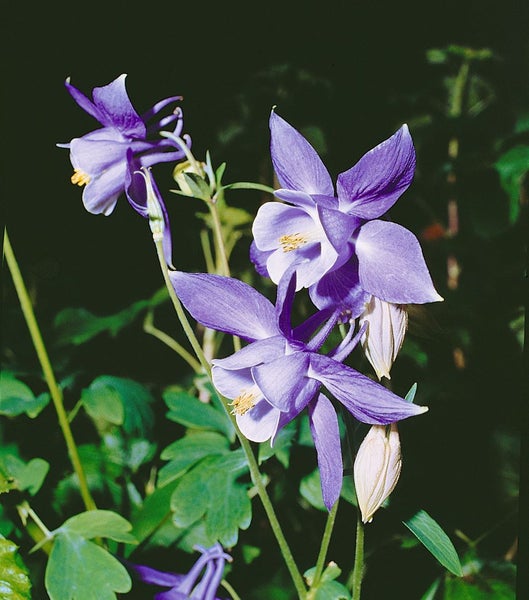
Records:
x=243, y=403
x=292, y=241
x=80, y=178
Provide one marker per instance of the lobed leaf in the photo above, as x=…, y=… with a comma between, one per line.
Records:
x=191, y=412
x=15, y=583
x=80, y=570
x=99, y=523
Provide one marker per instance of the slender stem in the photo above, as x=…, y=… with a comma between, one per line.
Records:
x=55, y=391
x=230, y=590
x=188, y=330
x=219, y=241
x=320, y=563
x=245, y=444
x=149, y=328
x=358, y=571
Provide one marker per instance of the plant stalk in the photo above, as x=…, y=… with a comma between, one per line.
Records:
x=55, y=390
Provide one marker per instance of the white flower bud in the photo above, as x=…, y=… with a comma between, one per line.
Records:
x=377, y=468
x=384, y=334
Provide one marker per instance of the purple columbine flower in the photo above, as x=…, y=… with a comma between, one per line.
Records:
x=280, y=372
x=105, y=160
x=192, y=586
x=342, y=251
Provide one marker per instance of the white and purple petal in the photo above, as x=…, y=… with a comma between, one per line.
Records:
x=374, y=184
x=391, y=265
x=260, y=423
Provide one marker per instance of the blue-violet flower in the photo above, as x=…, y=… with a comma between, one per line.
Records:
x=189, y=586
x=105, y=160
x=271, y=380
x=342, y=251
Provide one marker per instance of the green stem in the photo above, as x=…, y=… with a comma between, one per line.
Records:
x=149, y=328
x=358, y=571
x=320, y=563
x=55, y=391
x=219, y=241
x=245, y=444
x=188, y=330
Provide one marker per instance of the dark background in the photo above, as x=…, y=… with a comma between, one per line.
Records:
x=232, y=62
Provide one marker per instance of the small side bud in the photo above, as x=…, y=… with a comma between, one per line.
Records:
x=384, y=334
x=377, y=468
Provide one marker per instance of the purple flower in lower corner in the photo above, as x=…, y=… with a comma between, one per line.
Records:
x=280, y=373
x=201, y=583
x=103, y=159
x=342, y=251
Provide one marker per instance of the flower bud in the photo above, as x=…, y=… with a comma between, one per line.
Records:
x=377, y=468
x=190, y=178
x=384, y=334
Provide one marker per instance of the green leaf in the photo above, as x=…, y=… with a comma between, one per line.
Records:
x=99, y=523
x=187, y=451
x=489, y=589
x=15, y=583
x=191, y=412
x=103, y=402
x=120, y=401
x=511, y=166
x=429, y=594
x=435, y=540
x=16, y=397
x=410, y=396
x=80, y=570
x=327, y=588
x=75, y=326
x=24, y=476
x=310, y=489
x=155, y=511
x=211, y=491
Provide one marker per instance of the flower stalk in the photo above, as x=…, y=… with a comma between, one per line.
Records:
x=55, y=390
x=358, y=570
x=245, y=444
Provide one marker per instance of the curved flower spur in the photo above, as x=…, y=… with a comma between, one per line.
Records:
x=280, y=372
x=342, y=251
x=201, y=583
x=108, y=160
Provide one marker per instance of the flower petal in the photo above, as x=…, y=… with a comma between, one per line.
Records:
x=374, y=184
x=260, y=423
x=226, y=304
x=85, y=103
x=366, y=400
x=391, y=264
x=338, y=226
x=296, y=163
x=103, y=191
x=284, y=382
x=113, y=103
x=275, y=220
x=326, y=435
x=259, y=258
x=255, y=353
x=341, y=288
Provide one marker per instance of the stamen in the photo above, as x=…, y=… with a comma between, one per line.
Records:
x=292, y=241
x=243, y=403
x=80, y=177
